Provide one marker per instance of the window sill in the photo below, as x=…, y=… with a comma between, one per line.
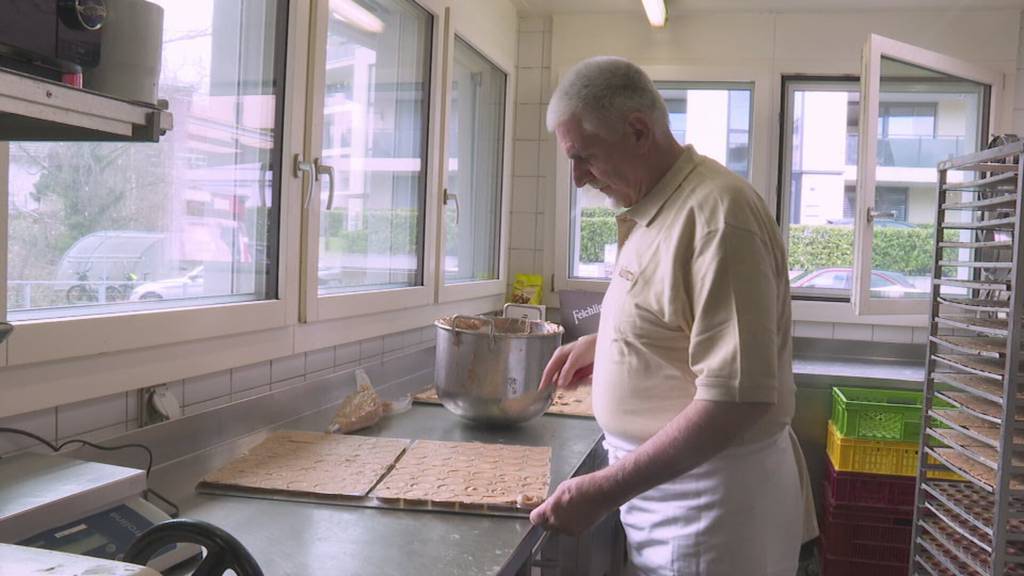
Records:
x=842, y=313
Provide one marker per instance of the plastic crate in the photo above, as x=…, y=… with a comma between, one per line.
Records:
x=832, y=566
x=878, y=414
x=859, y=489
x=866, y=533
x=876, y=457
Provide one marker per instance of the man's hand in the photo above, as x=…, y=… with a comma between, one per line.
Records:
x=577, y=504
x=571, y=364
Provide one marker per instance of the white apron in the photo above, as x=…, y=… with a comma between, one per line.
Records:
x=739, y=514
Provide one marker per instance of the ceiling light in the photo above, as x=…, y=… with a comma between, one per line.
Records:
x=354, y=14
x=656, y=12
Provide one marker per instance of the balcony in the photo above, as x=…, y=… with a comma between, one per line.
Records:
x=910, y=151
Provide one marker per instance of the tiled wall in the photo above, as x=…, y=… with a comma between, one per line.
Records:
x=109, y=416
x=864, y=332
x=534, y=155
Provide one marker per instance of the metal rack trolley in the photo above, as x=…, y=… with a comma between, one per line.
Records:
x=975, y=526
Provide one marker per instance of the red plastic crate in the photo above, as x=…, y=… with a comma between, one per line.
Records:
x=846, y=567
x=866, y=533
x=859, y=489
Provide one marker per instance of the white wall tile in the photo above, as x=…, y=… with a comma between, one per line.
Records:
x=921, y=335
x=539, y=232
x=524, y=193
x=207, y=405
x=531, y=50
x=894, y=334
x=527, y=122
x=287, y=367
x=393, y=342
x=526, y=158
x=132, y=399
x=177, y=389
x=319, y=374
x=538, y=267
x=346, y=353
x=528, y=86
x=41, y=423
x=546, y=54
x=287, y=383
x=101, y=434
x=546, y=159
x=370, y=348
x=207, y=387
x=547, y=85
x=322, y=359
x=853, y=332
x=813, y=329
x=520, y=262
x=411, y=338
x=523, y=231
x=236, y=396
x=93, y=414
x=428, y=333
x=249, y=377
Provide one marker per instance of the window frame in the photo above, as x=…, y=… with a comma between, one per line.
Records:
x=313, y=306
x=760, y=165
x=784, y=198
x=875, y=49
x=52, y=339
x=503, y=60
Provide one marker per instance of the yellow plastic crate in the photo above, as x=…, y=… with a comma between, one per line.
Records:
x=877, y=456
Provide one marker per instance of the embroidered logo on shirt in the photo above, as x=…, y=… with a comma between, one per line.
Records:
x=626, y=273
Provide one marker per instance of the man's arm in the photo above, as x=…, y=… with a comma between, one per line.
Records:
x=702, y=430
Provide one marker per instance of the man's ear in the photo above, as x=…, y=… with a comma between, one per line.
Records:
x=639, y=130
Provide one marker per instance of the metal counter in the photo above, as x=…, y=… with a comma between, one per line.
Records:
x=303, y=539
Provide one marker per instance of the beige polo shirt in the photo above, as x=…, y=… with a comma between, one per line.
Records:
x=697, y=308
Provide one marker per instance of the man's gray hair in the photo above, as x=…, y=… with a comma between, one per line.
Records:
x=602, y=92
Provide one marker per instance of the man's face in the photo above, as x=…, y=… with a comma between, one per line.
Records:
x=611, y=166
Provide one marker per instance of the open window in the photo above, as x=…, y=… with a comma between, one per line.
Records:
x=917, y=108
x=372, y=140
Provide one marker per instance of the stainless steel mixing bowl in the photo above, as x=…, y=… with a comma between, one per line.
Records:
x=488, y=369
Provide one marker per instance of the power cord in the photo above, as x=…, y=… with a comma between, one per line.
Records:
x=175, y=511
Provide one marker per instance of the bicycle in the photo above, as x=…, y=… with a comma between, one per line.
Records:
x=85, y=293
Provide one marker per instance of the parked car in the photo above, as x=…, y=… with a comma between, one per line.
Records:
x=884, y=283
x=189, y=285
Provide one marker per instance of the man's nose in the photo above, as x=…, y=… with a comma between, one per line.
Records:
x=581, y=176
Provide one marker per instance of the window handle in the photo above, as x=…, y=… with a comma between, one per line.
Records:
x=326, y=170
x=300, y=167
x=455, y=199
x=872, y=214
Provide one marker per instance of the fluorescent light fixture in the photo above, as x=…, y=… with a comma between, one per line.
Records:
x=350, y=12
x=656, y=12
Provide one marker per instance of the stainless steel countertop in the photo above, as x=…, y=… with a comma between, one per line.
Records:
x=826, y=363
x=302, y=539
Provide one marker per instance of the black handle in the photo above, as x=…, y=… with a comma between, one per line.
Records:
x=223, y=551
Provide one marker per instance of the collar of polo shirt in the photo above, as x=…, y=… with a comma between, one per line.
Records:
x=648, y=207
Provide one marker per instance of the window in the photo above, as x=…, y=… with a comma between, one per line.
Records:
x=101, y=228
x=376, y=70
x=714, y=117
x=475, y=140
x=923, y=118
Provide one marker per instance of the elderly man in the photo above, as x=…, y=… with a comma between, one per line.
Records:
x=692, y=375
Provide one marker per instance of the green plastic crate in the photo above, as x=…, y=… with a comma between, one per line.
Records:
x=875, y=414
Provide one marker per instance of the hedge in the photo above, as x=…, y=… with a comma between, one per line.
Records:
x=905, y=250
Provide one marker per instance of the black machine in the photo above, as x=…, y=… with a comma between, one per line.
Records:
x=51, y=38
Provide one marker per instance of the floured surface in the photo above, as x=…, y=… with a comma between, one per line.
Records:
x=575, y=402
x=312, y=462
x=469, y=474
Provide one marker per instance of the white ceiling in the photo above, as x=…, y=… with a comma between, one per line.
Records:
x=677, y=6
